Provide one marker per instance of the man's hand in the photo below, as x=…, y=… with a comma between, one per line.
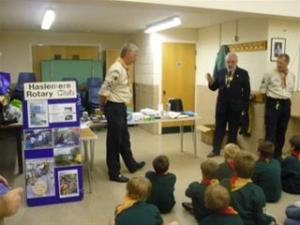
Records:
x=209, y=78
x=102, y=102
x=11, y=202
x=3, y=180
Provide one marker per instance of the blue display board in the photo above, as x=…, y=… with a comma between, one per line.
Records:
x=51, y=128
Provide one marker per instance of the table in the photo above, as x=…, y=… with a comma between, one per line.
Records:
x=15, y=129
x=88, y=138
x=162, y=120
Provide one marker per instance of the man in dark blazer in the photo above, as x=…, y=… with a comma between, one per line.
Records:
x=233, y=100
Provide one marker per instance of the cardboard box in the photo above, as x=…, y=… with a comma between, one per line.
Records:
x=207, y=134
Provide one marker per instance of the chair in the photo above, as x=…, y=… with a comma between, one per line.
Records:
x=24, y=77
x=93, y=86
x=176, y=105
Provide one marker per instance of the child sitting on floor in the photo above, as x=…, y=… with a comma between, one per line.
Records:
x=134, y=210
x=226, y=169
x=290, y=173
x=196, y=190
x=217, y=199
x=163, y=185
x=267, y=173
x=246, y=197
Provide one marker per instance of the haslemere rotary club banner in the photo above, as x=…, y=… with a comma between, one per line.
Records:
x=51, y=131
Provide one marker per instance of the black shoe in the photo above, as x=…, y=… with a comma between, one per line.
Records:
x=188, y=206
x=120, y=179
x=212, y=154
x=138, y=166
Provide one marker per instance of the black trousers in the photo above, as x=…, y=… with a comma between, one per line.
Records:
x=117, y=139
x=222, y=119
x=277, y=116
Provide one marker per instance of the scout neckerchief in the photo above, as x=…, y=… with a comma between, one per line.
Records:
x=296, y=154
x=230, y=164
x=283, y=79
x=264, y=159
x=237, y=183
x=208, y=181
x=120, y=60
x=229, y=211
x=127, y=203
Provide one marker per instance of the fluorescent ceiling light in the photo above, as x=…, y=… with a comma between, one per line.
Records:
x=48, y=19
x=163, y=25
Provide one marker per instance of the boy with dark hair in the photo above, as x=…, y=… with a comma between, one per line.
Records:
x=246, y=197
x=291, y=168
x=196, y=190
x=163, y=185
x=217, y=199
x=267, y=173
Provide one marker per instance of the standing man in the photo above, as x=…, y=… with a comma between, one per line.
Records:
x=233, y=99
x=278, y=86
x=114, y=95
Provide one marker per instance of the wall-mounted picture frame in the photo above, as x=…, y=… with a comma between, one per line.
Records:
x=277, y=47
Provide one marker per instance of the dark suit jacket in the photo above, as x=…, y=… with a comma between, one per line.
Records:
x=236, y=97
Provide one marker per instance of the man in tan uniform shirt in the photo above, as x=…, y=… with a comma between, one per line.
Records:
x=278, y=85
x=114, y=95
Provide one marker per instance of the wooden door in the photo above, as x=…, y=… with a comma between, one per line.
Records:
x=178, y=75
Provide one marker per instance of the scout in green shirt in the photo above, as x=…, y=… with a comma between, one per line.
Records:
x=163, y=185
x=226, y=169
x=196, y=190
x=267, y=173
x=134, y=210
x=246, y=197
x=217, y=199
x=291, y=168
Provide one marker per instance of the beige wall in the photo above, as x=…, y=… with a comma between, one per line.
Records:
x=255, y=62
x=15, y=47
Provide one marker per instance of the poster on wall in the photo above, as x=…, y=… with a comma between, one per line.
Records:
x=51, y=128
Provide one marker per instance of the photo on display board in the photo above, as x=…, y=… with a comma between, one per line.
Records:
x=68, y=183
x=59, y=113
x=67, y=156
x=277, y=48
x=64, y=137
x=38, y=139
x=40, y=178
x=38, y=114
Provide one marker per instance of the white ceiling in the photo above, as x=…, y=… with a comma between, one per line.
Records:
x=103, y=15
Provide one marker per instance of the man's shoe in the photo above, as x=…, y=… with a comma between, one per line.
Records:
x=138, y=166
x=120, y=179
x=212, y=154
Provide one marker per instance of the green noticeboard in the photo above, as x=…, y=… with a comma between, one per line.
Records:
x=57, y=70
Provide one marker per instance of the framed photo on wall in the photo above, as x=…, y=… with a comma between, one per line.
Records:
x=277, y=47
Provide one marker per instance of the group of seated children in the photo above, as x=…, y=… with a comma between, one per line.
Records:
x=234, y=192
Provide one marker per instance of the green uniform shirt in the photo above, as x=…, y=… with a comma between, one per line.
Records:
x=249, y=202
x=162, y=194
x=224, y=171
x=141, y=213
x=222, y=219
x=196, y=192
x=267, y=175
x=291, y=175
